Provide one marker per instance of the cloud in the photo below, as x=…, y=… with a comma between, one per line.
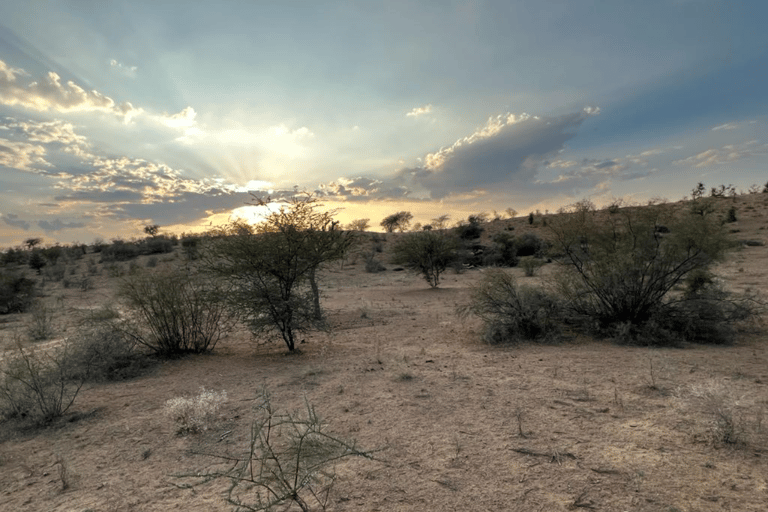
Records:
x=46, y=132
x=58, y=225
x=360, y=189
x=22, y=156
x=121, y=68
x=726, y=154
x=726, y=126
x=419, y=111
x=13, y=220
x=183, y=119
x=508, y=149
x=50, y=94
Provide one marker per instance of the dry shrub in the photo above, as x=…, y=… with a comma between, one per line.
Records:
x=289, y=462
x=512, y=313
x=726, y=421
x=196, y=414
x=38, y=385
x=101, y=353
x=175, y=311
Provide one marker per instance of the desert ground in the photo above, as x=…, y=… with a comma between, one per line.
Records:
x=580, y=423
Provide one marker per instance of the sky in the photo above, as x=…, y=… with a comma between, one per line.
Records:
x=119, y=114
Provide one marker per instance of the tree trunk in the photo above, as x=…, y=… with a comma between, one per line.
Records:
x=315, y=295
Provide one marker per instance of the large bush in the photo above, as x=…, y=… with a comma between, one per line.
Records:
x=622, y=269
x=174, y=312
x=426, y=252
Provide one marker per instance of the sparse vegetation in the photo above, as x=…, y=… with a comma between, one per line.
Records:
x=289, y=461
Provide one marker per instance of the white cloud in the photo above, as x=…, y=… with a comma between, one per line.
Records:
x=183, y=119
x=726, y=154
x=726, y=126
x=419, y=111
x=22, y=156
x=129, y=71
x=50, y=94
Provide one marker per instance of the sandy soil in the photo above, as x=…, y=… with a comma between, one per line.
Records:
x=581, y=424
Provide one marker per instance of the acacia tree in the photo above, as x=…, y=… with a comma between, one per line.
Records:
x=397, y=221
x=427, y=252
x=359, y=224
x=272, y=266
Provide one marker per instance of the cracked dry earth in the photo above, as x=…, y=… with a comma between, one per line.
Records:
x=579, y=425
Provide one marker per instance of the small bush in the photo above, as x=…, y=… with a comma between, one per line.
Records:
x=513, y=313
x=16, y=293
x=152, y=262
x=41, y=327
x=100, y=353
x=731, y=215
x=506, y=244
x=531, y=265
x=530, y=245
x=196, y=414
x=175, y=312
x=372, y=265
x=39, y=387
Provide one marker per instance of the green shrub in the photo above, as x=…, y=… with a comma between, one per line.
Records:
x=16, y=293
x=512, y=313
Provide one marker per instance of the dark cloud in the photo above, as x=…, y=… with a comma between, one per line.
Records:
x=14, y=220
x=506, y=150
x=58, y=225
